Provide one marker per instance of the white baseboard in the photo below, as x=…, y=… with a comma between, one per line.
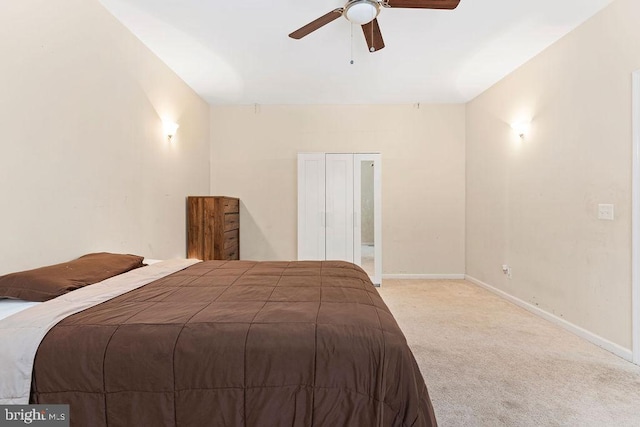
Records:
x=424, y=276
x=574, y=329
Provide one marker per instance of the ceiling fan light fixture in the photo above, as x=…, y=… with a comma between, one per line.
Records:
x=362, y=12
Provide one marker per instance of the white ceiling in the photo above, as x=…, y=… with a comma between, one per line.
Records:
x=239, y=52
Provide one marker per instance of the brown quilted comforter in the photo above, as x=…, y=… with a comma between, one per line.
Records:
x=237, y=343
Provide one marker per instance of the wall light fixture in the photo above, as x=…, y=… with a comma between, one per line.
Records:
x=170, y=129
x=521, y=128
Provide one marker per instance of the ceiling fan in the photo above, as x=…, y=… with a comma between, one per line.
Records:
x=365, y=13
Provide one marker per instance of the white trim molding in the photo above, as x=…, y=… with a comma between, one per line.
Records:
x=635, y=220
x=424, y=276
x=574, y=329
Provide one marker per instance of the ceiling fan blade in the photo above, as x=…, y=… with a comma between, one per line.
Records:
x=318, y=23
x=373, y=35
x=424, y=4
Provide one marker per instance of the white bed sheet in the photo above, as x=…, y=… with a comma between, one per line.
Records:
x=12, y=306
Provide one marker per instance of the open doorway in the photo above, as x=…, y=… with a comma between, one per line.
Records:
x=368, y=208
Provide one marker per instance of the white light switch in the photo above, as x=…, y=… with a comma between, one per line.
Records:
x=605, y=212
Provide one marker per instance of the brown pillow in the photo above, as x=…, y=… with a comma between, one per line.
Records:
x=45, y=283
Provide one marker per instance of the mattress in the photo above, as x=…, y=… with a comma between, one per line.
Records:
x=236, y=343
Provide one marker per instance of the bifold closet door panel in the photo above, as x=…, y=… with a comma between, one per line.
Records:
x=339, y=207
x=311, y=207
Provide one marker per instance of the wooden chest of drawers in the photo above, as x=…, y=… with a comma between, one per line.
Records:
x=213, y=228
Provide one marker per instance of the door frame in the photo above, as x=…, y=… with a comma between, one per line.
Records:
x=635, y=219
x=324, y=219
x=376, y=158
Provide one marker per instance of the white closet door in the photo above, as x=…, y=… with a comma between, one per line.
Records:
x=311, y=206
x=339, y=206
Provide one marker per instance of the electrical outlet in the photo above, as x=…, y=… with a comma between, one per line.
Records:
x=506, y=270
x=605, y=212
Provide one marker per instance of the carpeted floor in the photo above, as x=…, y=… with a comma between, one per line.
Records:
x=488, y=362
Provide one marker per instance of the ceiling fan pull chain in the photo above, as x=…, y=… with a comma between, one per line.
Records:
x=372, y=49
x=351, y=62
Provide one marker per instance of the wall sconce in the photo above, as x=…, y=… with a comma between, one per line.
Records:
x=170, y=129
x=521, y=128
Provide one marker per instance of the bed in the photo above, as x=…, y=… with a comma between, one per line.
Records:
x=224, y=343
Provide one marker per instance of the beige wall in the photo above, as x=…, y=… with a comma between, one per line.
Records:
x=532, y=204
x=84, y=165
x=254, y=157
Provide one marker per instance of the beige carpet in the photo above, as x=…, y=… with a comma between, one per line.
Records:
x=488, y=362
